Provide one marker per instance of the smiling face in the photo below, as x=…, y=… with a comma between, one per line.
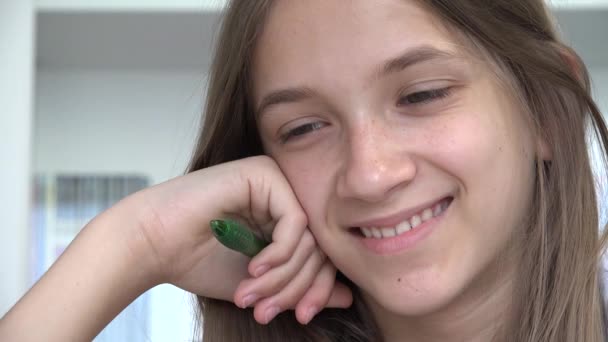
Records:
x=375, y=113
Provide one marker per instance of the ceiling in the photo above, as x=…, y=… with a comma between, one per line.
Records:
x=161, y=40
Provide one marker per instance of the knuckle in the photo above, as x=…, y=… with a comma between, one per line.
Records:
x=308, y=240
x=284, y=252
x=321, y=255
x=261, y=159
x=276, y=254
x=271, y=288
x=301, y=219
x=297, y=218
x=265, y=162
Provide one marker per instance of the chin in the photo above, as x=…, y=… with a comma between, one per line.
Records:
x=412, y=299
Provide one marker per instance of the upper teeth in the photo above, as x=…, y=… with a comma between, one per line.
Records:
x=406, y=225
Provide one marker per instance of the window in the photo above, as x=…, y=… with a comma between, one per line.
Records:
x=63, y=205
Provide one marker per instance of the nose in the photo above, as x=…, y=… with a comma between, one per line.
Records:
x=376, y=164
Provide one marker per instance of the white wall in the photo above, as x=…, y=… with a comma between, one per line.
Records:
x=143, y=122
x=116, y=121
x=16, y=70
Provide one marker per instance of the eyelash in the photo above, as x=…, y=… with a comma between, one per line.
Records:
x=428, y=96
x=431, y=95
x=301, y=130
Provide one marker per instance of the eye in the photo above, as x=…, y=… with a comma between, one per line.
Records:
x=423, y=97
x=302, y=130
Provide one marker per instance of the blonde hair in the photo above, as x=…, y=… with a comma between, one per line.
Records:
x=558, y=295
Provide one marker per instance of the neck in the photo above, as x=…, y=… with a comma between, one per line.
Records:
x=476, y=315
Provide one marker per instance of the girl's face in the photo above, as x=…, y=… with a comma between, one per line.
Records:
x=381, y=122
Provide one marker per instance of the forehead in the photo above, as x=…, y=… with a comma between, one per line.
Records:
x=317, y=41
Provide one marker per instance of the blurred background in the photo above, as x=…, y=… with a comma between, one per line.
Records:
x=99, y=99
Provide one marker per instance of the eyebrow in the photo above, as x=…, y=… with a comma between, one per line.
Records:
x=288, y=95
x=413, y=56
x=424, y=53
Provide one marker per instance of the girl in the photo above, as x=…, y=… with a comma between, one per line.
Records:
x=432, y=151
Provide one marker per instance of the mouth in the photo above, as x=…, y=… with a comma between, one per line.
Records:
x=409, y=224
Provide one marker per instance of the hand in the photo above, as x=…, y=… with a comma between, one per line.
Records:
x=291, y=273
x=305, y=282
x=162, y=234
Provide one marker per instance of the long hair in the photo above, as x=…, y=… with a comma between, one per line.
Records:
x=557, y=294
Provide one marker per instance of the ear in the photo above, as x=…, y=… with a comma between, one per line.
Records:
x=572, y=60
x=575, y=63
x=543, y=150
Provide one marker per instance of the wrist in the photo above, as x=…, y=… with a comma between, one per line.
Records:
x=102, y=271
x=128, y=221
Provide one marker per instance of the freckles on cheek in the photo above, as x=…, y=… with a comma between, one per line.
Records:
x=306, y=184
x=467, y=144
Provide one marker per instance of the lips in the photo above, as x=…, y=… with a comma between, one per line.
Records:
x=407, y=224
x=409, y=215
x=396, y=239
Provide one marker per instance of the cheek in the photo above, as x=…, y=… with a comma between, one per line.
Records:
x=490, y=157
x=462, y=145
x=310, y=177
x=483, y=144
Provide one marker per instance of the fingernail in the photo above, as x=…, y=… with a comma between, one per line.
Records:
x=249, y=299
x=310, y=314
x=271, y=312
x=260, y=270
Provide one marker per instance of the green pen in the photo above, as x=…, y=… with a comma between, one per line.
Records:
x=237, y=237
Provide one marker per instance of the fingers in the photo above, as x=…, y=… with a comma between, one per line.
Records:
x=287, y=298
x=324, y=292
x=291, y=272
x=341, y=296
x=312, y=290
x=306, y=283
x=274, y=206
x=277, y=278
x=286, y=236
